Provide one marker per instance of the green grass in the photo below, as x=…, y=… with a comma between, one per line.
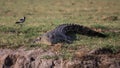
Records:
x=44, y=15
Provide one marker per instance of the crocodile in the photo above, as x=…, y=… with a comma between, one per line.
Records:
x=64, y=32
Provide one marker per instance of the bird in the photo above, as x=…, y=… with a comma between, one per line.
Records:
x=22, y=20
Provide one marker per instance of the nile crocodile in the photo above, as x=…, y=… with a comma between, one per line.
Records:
x=63, y=32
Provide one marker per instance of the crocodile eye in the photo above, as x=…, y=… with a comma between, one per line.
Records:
x=50, y=36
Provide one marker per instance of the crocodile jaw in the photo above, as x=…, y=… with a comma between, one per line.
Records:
x=43, y=40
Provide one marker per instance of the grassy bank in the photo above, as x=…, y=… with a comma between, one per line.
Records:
x=41, y=14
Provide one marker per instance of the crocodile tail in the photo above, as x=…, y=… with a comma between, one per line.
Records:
x=89, y=32
x=83, y=30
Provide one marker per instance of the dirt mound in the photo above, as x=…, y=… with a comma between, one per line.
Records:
x=35, y=58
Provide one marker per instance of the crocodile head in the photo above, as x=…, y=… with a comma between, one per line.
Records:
x=47, y=38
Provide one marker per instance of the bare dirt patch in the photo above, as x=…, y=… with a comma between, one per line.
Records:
x=35, y=58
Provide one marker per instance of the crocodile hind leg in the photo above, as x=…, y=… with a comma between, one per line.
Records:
x=66, y=38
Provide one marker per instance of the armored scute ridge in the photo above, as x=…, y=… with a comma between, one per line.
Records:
x=63, y=32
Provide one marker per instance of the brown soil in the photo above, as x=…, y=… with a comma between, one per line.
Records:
x=34, y=58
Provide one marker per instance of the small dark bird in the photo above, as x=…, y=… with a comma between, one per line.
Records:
x=22, y=20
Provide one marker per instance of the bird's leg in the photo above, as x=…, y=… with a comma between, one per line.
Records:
x=21, y=25
x=19, y=29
